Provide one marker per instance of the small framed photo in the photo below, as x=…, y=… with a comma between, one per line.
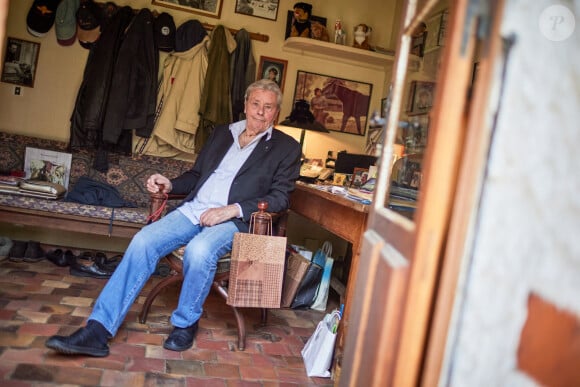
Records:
x=436, y=27
x=359, y=177
x=383, y=107
x=290, y=20
x=420, y=97
x=418, y=44
x=20, y=62
x=273, y=69
x=266, y=9
x=210, y=8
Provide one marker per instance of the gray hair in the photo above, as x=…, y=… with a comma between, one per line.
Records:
x=266, y=85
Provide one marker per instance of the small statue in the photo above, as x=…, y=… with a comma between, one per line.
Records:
x=301, y=23
x=339, y=34
x=361, y=36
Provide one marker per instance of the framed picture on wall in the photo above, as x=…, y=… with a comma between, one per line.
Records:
x=266, y=9
x=341, y=105
x=290, y=21
x=273, y=69
x=20, y=62
x=436, y=26
x=420, y=97
x=211, y=8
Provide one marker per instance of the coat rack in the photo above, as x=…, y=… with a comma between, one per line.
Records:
x=211, y=27
x=253, y=35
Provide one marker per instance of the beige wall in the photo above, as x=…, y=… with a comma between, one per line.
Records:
x=44, y=110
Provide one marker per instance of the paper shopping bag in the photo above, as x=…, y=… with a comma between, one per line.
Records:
x=296, y=267
x=257, y=271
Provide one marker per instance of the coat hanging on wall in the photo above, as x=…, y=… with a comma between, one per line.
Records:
x=179, y=94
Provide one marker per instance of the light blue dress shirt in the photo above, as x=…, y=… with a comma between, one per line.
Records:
x=215, y=191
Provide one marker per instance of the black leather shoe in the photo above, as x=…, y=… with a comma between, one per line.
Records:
x=57, y=257
x=92, y=270
x=82, y=342
x=180, y=339
x=105, y=263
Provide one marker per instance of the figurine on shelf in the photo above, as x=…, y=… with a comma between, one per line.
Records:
x=301, y=22
x=361, y=36
x=319, y=32
x=339, y=34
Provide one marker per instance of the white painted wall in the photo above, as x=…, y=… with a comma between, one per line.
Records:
x=528, y=227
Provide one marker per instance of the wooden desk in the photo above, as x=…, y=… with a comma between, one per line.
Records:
x=342, y=217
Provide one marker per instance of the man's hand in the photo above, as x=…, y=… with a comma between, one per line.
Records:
x=218, y=215
x=155, y=180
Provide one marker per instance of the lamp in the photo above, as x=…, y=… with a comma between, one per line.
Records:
x=302, y=118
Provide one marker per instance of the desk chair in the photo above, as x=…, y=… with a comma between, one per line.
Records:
x=220, y=281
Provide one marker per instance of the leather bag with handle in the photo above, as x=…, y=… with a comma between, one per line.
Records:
x=257, y=265
x=308, y=289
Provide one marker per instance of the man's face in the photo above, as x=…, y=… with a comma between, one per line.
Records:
x=261, y=111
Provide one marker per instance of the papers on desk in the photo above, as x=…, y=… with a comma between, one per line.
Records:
x=354, y=194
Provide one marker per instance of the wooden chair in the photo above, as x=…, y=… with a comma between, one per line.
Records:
x=220, y=281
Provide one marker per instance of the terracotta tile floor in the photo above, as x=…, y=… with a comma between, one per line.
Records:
x=40, y=299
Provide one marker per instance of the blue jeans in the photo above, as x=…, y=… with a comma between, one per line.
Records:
x=205, y=245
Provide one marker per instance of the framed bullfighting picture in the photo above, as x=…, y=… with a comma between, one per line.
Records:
x=341, y=105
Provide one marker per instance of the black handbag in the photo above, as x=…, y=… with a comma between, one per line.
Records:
x=308, y=288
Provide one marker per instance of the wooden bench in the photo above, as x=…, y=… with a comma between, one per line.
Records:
x=126, y=173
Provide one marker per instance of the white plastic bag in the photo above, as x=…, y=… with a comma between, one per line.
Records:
x=317, y=352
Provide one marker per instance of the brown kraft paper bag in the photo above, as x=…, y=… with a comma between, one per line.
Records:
x=257, y=271
x=296, y=268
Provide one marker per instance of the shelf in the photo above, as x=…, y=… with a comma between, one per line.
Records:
x=345, y=54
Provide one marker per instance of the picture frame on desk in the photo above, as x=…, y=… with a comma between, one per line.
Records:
x=206, y=8
x=359, y=177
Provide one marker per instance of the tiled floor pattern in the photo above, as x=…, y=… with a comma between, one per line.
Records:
x=40, y=299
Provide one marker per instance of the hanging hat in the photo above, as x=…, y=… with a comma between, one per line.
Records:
x=89, y=17
x=165, y=32
x=65, y=24
x=40, y=18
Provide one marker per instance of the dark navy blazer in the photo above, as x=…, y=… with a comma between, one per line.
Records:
x=268, y=174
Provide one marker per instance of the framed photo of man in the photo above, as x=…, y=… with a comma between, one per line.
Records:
x=20, y=62
x=273, y=69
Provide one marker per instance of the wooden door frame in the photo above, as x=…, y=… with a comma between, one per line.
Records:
x=466, y=201
x=422, y=244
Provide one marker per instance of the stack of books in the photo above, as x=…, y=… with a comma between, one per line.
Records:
x=33, y=188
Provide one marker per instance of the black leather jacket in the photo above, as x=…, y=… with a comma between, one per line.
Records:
x=88, y=113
